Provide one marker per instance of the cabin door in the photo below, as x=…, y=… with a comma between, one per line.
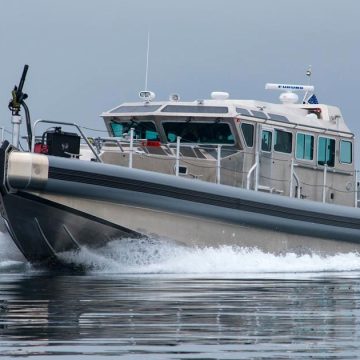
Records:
x=265, y=148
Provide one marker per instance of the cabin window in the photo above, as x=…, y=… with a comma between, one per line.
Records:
x=142, y=129
x=199, y=132
x=135, y=108
x=259, y=114
x=266, y=140
x=277, y=117
x=345, y=152
x=304, y=146
x=242, y=111
x=283, y=141
x=326, y=151
x=248, y=132
x=201, y=109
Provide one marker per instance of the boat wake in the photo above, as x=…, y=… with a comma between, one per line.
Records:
x=163, y=257
x=144, y=256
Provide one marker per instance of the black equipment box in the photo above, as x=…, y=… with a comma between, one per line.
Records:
x=63, y=144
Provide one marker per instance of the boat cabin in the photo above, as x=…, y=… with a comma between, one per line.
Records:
x=292, y=149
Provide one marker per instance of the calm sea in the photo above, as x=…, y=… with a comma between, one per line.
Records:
x=147, y=300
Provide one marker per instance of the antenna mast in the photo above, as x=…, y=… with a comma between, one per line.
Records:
x=308, y=74
x=147, y=61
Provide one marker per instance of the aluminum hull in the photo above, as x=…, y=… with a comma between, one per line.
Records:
x=77, y=203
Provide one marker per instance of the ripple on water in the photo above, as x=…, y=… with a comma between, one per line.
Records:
x=179, y=317
x=154, y=299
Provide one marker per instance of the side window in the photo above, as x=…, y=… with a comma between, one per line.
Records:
x=171, y=137
x=345, y=152
x=230, y=138
x=117, y=129
x=326, y=151
x=266, y=140
x=248, y=132
x=151, y=135
x=142, y=130
x=304, y=146
x=283, y=141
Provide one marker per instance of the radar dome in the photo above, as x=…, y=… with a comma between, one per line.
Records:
x=219, y=95
x=289, y=98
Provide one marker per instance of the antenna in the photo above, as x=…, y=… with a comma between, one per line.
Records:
x=147, y=61
x=308, y=74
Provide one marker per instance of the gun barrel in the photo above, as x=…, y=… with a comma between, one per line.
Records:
x=22, y=80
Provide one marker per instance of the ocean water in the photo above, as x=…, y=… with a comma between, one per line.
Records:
x=157, y=300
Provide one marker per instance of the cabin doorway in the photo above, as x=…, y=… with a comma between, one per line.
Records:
x=265, y=136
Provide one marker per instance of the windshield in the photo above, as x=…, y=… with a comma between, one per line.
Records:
x=199, y=132
x=142, y=129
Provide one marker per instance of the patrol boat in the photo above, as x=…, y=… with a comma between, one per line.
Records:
x=278, y=177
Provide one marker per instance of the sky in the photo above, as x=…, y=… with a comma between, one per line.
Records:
x=87, y=56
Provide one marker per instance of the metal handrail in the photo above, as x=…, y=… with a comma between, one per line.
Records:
x=63, y=123
x=249, y=174
x=293, y=175
x=252, y=169
x=297, y=184
x=324, y=184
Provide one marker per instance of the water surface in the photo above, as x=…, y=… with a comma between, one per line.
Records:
x=158, y=301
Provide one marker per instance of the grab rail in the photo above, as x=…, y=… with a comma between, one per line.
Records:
x=293, y=175
x=324, y=184
x=252, y=169
x=249, y=174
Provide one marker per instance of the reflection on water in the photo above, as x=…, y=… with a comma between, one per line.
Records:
x=179, y=317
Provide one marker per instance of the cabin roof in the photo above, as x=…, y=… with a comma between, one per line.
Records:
x=288, y=115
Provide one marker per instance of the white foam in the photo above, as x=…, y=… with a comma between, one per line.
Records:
x=159, y=257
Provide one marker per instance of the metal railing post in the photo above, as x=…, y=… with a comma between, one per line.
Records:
x=356, y=188
x=291, y=178
x=177, y=162
x=248, y=176
x=298, y=194
x=131, y=148
x=16, y=122
x=324, y=184
x=257, y=173
x=218, y=164
x=254, y=167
